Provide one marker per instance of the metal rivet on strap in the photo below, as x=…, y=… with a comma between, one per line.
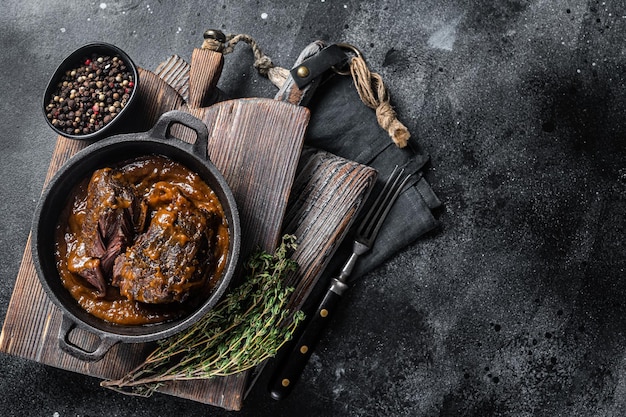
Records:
x=303, y=71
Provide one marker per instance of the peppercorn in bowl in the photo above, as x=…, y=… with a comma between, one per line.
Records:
x=91, y=92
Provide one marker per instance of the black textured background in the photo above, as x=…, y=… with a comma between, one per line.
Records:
x=514, y=306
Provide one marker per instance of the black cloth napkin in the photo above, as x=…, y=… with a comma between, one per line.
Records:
x=341, y=124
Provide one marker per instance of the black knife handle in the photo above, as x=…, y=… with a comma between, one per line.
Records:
x=290, y=368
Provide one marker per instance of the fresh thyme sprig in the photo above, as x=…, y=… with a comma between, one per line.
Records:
x=248, y=326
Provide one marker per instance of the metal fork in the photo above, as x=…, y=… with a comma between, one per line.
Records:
x=291, y=366
x=373, y=220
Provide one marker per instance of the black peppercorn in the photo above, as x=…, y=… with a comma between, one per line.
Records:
x=88, y=96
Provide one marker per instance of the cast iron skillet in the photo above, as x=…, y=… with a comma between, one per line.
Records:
x=108, y=151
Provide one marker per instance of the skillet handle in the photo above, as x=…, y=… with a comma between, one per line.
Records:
x=67, y=346
x=161, y=130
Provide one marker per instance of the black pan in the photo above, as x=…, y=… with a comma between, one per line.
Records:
x=105, y=152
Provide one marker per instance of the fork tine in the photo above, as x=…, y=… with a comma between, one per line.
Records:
x=369, y=220
x=374, y=218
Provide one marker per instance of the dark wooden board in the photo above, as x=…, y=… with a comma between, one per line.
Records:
x=260, y=165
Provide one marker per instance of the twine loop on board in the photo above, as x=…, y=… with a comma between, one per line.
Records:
x=369, y=85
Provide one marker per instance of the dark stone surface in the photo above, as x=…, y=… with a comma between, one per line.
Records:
x=513, y=307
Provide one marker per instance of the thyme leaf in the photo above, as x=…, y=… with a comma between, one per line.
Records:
x=245, y=328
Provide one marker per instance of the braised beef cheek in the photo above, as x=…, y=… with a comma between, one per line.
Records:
x=163, y=264
x=112, y=215
x=142, y=242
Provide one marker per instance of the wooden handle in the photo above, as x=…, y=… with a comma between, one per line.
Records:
x=206, y=68
x=291, y=366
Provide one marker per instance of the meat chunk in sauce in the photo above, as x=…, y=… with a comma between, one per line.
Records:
x=111, y=217
x=169, y=259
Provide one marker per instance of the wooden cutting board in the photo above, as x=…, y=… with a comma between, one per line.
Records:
x=257, y=145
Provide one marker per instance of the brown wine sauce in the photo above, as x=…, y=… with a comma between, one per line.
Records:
x=143, y=175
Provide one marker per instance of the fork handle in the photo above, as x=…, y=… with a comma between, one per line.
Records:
x=290, y=368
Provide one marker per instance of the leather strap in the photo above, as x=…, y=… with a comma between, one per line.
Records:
x=317, y=65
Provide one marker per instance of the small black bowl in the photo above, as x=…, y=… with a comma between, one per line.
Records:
x=75, y=60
